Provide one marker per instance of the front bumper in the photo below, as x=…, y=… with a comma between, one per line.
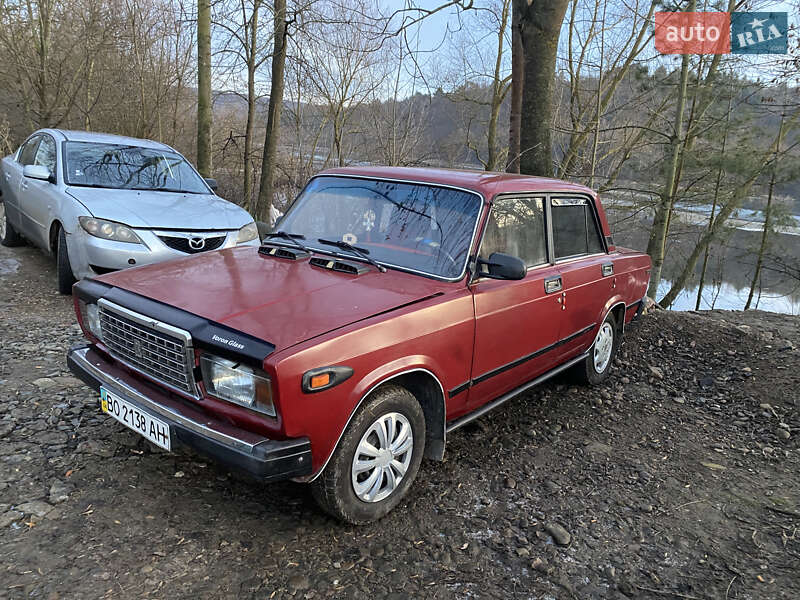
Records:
x=87, y=253
x=260, y=457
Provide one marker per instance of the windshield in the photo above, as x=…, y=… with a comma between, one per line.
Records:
x=414, y=226
x=130, y=167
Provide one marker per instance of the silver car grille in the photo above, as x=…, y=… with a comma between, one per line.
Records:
x=156, y=349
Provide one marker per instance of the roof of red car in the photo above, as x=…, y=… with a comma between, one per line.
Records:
x=487, y=183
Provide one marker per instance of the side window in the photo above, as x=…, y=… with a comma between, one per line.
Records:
x=46, y=154
x=574, y=228
x=28, y=151
x=516, y=226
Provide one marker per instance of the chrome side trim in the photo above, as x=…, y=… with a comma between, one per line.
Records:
x=365, y=396
x=130, y=393
x=509, y=395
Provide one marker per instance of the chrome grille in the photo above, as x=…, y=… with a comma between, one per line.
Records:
x=161, y=351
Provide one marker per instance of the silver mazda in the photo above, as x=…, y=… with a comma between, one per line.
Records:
x=100, y=203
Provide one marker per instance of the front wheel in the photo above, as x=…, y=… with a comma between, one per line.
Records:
x=377, y=458
x=596, y=366
x=65, y=275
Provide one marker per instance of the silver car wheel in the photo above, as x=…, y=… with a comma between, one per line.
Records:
x=382, y=457
x=603, y=344
x=2, y=221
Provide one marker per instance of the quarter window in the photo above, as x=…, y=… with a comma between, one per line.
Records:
x=516, y=226
x=28, y=151
x=574, y=228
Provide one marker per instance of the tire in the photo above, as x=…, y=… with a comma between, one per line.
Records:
x=65, y=276
x=597, y=365
x=335, y=488
x=8, y=235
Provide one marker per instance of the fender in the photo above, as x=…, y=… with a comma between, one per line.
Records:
x=370, y=382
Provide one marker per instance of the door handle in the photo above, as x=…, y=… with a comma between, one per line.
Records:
x=608, y=269
x=553, y=284
x=23, y=185
x=8, y=176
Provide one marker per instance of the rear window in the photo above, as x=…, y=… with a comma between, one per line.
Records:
x=575, y=231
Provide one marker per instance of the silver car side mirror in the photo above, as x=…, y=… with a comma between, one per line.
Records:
x=37, y=172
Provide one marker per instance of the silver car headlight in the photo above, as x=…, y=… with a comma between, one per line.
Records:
x=247, y=233
x=237, y=383
x=108, y=230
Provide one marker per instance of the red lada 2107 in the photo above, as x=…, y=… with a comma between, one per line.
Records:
x=387, y=308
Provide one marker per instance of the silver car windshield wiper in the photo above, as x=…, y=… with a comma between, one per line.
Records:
x=290, y=237
x=360, y=252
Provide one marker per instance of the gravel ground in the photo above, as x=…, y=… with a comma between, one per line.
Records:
x=678, y=478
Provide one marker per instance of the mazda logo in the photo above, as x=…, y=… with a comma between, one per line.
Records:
x=197, y=243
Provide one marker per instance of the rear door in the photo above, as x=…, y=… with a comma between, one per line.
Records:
x=12, y=177
x=584, y=266
x=516, y=322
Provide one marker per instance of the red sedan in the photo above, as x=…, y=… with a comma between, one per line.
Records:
x=387, y=308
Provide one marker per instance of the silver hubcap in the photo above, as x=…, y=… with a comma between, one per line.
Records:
x=382, y=457
x=602, y=347
x=2, y=220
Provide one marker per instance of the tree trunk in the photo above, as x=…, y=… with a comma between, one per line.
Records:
x=499, y=90
x=204, y=117
x=251, y=110
x=517, y=72
x=714, y=204
x=540, y=26
x=656, y=246
x=739, y=195
x=767, y=214
x=266, y=190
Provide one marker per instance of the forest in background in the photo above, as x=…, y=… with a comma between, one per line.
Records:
x=665, y=138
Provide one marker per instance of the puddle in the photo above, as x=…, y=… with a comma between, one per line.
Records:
x=8, y=266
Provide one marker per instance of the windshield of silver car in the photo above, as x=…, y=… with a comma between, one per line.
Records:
x=418, y=227
x=116, y=166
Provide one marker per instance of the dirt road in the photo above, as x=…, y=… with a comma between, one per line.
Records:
x=676, y=479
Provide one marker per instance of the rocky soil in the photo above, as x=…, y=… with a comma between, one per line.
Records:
x=676, y=479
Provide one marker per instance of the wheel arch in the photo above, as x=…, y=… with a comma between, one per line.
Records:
x=52, y=236
x=615, y=306
x=428, y=390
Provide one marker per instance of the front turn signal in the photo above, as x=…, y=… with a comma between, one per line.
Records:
x=324, y=378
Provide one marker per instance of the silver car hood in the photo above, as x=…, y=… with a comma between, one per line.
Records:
x=161, y=210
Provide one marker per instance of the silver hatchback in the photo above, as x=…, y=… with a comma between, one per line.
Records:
x=100, y=203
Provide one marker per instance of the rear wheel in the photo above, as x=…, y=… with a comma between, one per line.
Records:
x=65, y=276
x=596, y=366
x=377, y=458
x=8, y=235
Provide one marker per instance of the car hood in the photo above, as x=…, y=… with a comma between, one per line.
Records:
x=161, y=210
x=281, y=301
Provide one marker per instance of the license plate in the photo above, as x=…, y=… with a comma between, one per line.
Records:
x=134, y=418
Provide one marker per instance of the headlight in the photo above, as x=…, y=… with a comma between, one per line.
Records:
x=108, y=230
x=237, y=383
x=247, y=233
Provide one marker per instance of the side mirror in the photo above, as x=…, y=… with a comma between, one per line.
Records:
x=212, y=183
x=38, y=172
x=503, y=266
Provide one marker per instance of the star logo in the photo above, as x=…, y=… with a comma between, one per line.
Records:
x=756, y=23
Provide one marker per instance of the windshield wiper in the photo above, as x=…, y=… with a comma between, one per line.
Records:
x=290, y=237
x=361, y=252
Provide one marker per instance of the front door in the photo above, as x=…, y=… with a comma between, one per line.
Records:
x=37, y=197
x=517, y=323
